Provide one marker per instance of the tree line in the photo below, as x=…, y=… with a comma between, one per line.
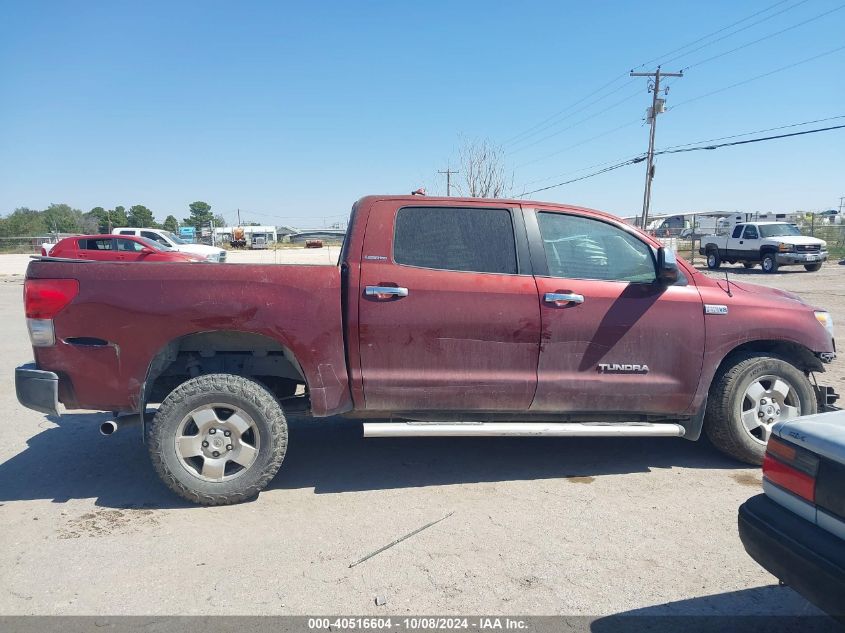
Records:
x=62, y=218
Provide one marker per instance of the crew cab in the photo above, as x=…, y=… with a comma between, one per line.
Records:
x=167, y=239
x=443, y=317
x=771, y=244
x=796, y=528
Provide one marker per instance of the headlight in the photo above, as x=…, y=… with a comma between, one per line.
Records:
x=785, y=248
x=825, y=319
x=212, y=258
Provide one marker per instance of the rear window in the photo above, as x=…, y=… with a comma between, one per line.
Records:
x=95, y=245
x=460, y=239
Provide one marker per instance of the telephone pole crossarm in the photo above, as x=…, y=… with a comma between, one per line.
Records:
x=448, y=173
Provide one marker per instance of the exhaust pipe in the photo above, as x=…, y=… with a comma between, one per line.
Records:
x=520, y=429
x=110, y=427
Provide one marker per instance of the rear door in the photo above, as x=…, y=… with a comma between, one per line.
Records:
x=613, y=339
x=448, y=312
x=99, y=249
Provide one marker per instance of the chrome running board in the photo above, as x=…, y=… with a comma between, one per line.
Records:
x=521, y=429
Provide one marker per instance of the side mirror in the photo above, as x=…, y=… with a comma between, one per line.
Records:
x=667, y=267
x=147, y=251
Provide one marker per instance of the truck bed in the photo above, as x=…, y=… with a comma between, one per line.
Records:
x=127, y=314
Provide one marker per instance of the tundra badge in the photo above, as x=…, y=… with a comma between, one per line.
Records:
x=617, y=368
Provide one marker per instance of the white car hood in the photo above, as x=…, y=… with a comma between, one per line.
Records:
x=796, y=239
x=822, y=433
x=198, y=249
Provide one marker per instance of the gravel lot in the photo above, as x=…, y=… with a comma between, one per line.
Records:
x=540, y=526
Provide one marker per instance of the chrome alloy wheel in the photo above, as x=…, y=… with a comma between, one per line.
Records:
x=217, y=442
x=768, y=399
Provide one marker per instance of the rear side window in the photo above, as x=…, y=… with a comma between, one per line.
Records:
x=95, y=245
x=738, y=231
x=127, y=232
x=449, y=238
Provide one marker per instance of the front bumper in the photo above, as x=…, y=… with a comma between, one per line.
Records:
x=804, y=556
x=802, y=258
x=37, y=389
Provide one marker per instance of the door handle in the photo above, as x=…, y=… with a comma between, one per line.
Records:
x=559, y=298
x=385, y=292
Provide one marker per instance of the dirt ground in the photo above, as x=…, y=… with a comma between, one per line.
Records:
x=538, y=526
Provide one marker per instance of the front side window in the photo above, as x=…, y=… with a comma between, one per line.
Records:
x=583, y=248
x=460, y=239
x=129, y=245
x=750, y=232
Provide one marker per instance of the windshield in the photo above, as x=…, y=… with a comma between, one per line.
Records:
x=176, y=240
x=776, y=230
x=154, y=245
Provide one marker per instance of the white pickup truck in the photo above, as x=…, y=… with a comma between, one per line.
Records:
x=772, y=244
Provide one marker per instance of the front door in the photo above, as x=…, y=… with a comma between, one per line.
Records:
x=613, y=340
x=448, y=318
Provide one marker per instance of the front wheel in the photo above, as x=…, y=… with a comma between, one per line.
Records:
x=751, y=394
x=770, y=263
x=218, y=439
x=713, y=260
x=812, y=267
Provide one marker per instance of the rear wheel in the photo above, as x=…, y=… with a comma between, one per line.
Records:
x=812, y=267
x=218, y=439
x=770, y=263
x=713, y=259
x=751, y=394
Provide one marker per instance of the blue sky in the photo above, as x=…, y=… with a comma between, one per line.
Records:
x=290, y=111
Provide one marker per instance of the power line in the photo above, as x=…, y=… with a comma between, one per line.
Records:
x=555, y=118
x=752, y=140
x=771, y=35
x=771, y=129
x=704, y=37
x=745, y=28
x=640, y=158
x=542, y=128
x=767, y=74
x=577, y=123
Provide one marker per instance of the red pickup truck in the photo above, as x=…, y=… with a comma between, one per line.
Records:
x=444, y=316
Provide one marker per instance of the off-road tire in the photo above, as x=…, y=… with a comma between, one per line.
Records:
x=748, y=265
x=713, y=259
x=770, y=263
x=812, y=267
x=722, y=422
x=238, y=391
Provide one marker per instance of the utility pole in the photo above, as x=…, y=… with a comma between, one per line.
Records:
x=841, y=203
x=657, y=107
x=448, y=173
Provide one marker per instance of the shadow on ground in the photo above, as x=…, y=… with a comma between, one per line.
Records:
x=73, y=461
x=754, y=272
x=770, y=609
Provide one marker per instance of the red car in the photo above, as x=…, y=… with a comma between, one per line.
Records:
x=113, y=248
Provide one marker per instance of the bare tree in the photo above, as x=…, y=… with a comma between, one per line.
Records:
x=482, y=167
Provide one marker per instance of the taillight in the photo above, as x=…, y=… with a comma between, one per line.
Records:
x=43, y=299
x=792, y=468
